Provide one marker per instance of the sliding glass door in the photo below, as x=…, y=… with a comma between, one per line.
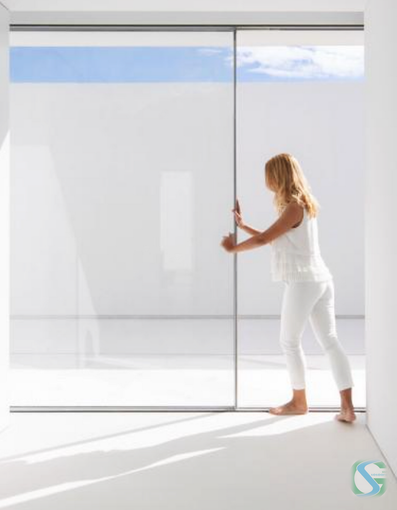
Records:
x=122, y=185
x=301, y=92
x=128, y=149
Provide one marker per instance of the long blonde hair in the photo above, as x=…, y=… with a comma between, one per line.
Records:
x=285, y=177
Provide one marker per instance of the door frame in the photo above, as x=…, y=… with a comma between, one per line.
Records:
x=234, y=29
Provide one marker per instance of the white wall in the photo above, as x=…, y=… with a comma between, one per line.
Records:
x=4, y=220
x=77, y=214
x=381, y=229
x=67, y=202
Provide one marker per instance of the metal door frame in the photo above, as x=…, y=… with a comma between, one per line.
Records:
x=234, y=29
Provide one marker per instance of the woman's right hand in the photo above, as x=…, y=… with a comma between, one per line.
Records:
x=237, y=215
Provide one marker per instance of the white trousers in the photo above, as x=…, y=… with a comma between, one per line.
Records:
x=314, y=301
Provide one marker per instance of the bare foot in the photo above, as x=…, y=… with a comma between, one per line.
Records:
x=348, y=415
x=289, y=408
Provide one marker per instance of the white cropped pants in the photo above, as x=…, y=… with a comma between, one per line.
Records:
x=314, y=301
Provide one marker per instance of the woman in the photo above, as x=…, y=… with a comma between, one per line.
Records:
x=309, y=288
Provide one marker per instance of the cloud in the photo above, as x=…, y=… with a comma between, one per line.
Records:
x=303, y=62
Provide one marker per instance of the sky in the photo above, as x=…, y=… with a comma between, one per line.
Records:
x=96, y=64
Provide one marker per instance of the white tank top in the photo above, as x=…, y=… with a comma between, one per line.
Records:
x=296, y=254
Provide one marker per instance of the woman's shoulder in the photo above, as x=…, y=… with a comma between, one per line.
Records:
x=296, y=206
x=295, y=213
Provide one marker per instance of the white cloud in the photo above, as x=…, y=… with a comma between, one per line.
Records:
x=303, y=61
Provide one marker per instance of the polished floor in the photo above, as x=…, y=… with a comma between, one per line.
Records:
x=212, y=461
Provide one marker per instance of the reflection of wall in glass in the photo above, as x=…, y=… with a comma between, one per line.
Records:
x=176, y=220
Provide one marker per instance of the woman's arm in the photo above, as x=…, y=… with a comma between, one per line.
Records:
x=250, y=230
x=291, y=215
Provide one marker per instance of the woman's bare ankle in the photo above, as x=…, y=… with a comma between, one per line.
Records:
x=346, y=400
x=299, y=398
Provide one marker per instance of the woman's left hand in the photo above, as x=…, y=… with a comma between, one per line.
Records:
x=228, y=242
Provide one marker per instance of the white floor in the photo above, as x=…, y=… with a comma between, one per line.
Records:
x=244, y=460
x=169, y=362
x=172, y=380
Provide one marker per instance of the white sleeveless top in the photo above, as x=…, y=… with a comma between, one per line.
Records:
x=296, y=254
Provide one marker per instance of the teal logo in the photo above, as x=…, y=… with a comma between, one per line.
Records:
x=369, y=478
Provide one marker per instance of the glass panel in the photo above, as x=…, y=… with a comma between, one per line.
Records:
x=122, y=170
x=301, y=92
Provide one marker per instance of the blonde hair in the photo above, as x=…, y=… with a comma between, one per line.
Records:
x=285, y=177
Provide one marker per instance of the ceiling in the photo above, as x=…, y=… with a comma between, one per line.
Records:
x=185, y=11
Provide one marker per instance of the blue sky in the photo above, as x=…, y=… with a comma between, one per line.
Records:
x=96, y=64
